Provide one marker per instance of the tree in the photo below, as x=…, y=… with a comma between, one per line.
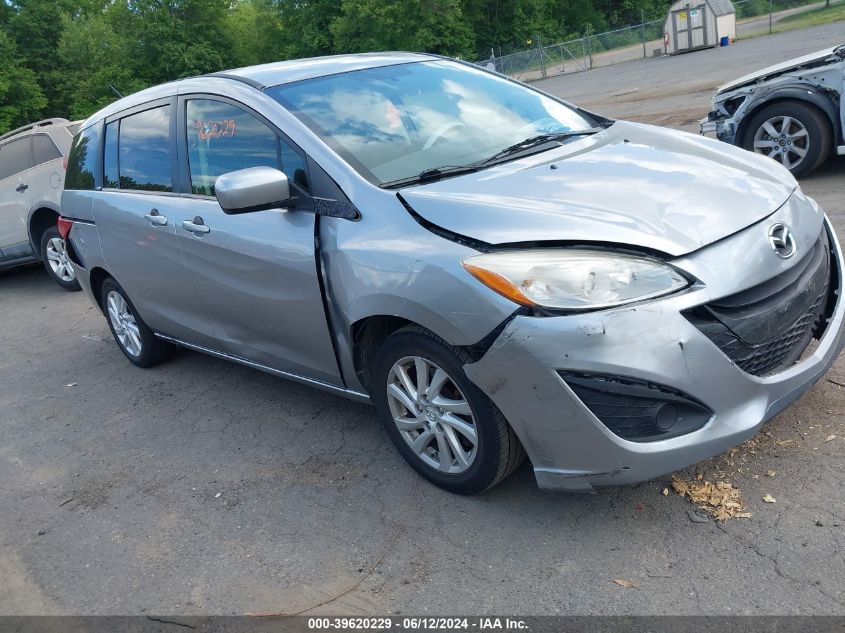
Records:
x=97, y=55
x=21, y=98
x=435, y=26
x=255, y=33
x=36, y=26
x=307, y=26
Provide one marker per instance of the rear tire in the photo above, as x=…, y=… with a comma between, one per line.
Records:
x=55, y=260
x=451, y=433
x=786, y=130
x=133, y=337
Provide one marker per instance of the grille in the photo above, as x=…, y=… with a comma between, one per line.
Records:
x=765, y=329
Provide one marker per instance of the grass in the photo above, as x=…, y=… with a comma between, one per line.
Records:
x=813, y=17
x=824, y=15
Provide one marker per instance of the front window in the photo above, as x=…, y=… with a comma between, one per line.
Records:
x=395, y=122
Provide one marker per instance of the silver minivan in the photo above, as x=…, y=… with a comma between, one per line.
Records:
x=499, y=272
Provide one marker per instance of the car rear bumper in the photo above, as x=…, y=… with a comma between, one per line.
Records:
x=653, y=344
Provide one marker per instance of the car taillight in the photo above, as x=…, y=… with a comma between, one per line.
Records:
x=64, y=163
x=64, y=227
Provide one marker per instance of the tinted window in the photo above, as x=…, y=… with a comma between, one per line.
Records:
x=224, y=138
x=144, y=151
x=44, y=149
x=110, y=178
x=15, y=157
x=83, y=159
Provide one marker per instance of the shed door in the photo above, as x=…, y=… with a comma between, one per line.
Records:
x=690, y=28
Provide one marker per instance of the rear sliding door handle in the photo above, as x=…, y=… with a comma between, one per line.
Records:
x=155, y=218
x=197, y=226
x=21, y=188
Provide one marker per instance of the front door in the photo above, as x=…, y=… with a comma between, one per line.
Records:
x=256, y=273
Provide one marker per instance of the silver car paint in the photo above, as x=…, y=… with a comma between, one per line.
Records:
x=387, y=263
x=631, y=184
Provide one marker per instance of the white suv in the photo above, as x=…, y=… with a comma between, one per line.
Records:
x=32, y=171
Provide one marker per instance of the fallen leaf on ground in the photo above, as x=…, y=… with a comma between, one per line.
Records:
x=665, y=492
x=770, y=473
x=769, y=499
x=830, y=438
x=721, y=500
x=624, y=583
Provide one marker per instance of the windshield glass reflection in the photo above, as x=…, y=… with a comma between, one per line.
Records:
x=394, y=122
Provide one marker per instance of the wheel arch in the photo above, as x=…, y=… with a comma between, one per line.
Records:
x=41, y=217
x=799, y=94
x=96, y=277
x=368, y=333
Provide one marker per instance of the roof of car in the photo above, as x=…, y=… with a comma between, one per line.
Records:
x=276, y=73
x=272, y=74
x=33, y=126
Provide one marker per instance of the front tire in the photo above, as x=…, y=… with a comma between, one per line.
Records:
x=133, y=337
x=441, y=423
x=795, y=134
x=55, y=259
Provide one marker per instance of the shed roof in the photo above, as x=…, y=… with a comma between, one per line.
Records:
x=721, y=7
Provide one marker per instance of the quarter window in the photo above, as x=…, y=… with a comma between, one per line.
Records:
x=144, y=151
x=110, y=172
x=223, y=138
x=82, y=159
x=15, y=157
x=44, y=149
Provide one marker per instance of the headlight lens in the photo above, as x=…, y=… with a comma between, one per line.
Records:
x=573, y=279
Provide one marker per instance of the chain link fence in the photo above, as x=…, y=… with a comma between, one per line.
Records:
x=638, y=41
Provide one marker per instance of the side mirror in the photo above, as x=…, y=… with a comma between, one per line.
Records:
x=252, y=189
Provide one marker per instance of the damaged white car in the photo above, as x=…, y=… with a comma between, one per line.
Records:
x=792, y=112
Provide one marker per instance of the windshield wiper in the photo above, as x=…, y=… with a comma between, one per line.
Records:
x=432, y=174
x=537, y=141
x=436, y=173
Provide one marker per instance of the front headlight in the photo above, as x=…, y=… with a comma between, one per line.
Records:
x=573, y=279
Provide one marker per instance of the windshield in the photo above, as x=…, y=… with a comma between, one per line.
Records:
x=395, y=122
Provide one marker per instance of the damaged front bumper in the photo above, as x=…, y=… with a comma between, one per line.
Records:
x=721, y=129
x=526, y=372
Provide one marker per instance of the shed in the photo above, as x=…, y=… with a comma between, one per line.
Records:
x=696, y=24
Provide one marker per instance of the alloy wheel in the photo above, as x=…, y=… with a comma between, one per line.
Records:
x=59, y=261
x=783, y=138
x=124, y=324
x=432, y=415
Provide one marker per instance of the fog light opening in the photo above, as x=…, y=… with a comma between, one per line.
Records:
x=666, y=417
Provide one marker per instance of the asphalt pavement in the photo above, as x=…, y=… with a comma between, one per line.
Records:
x=201, y=487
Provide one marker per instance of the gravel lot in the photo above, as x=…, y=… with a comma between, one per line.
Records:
x=202, y=487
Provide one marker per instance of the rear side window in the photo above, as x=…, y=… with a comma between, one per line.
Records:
x=15, y=157
x=82, y=161
x=110, y=171
x=224, y=138
x=44, y=149
x=144, y=151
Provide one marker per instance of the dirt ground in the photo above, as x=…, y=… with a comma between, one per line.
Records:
x=200, y=487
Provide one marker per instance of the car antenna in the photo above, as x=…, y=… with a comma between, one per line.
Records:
x=116, y=91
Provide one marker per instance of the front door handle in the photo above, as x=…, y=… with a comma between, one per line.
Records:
x=155, y=218
x=21, y=188
x=197, y=227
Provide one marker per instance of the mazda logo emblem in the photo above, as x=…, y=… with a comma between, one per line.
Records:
x=781, y=240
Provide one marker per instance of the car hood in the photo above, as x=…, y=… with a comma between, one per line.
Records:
x=778, y=69
x=631, y=184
